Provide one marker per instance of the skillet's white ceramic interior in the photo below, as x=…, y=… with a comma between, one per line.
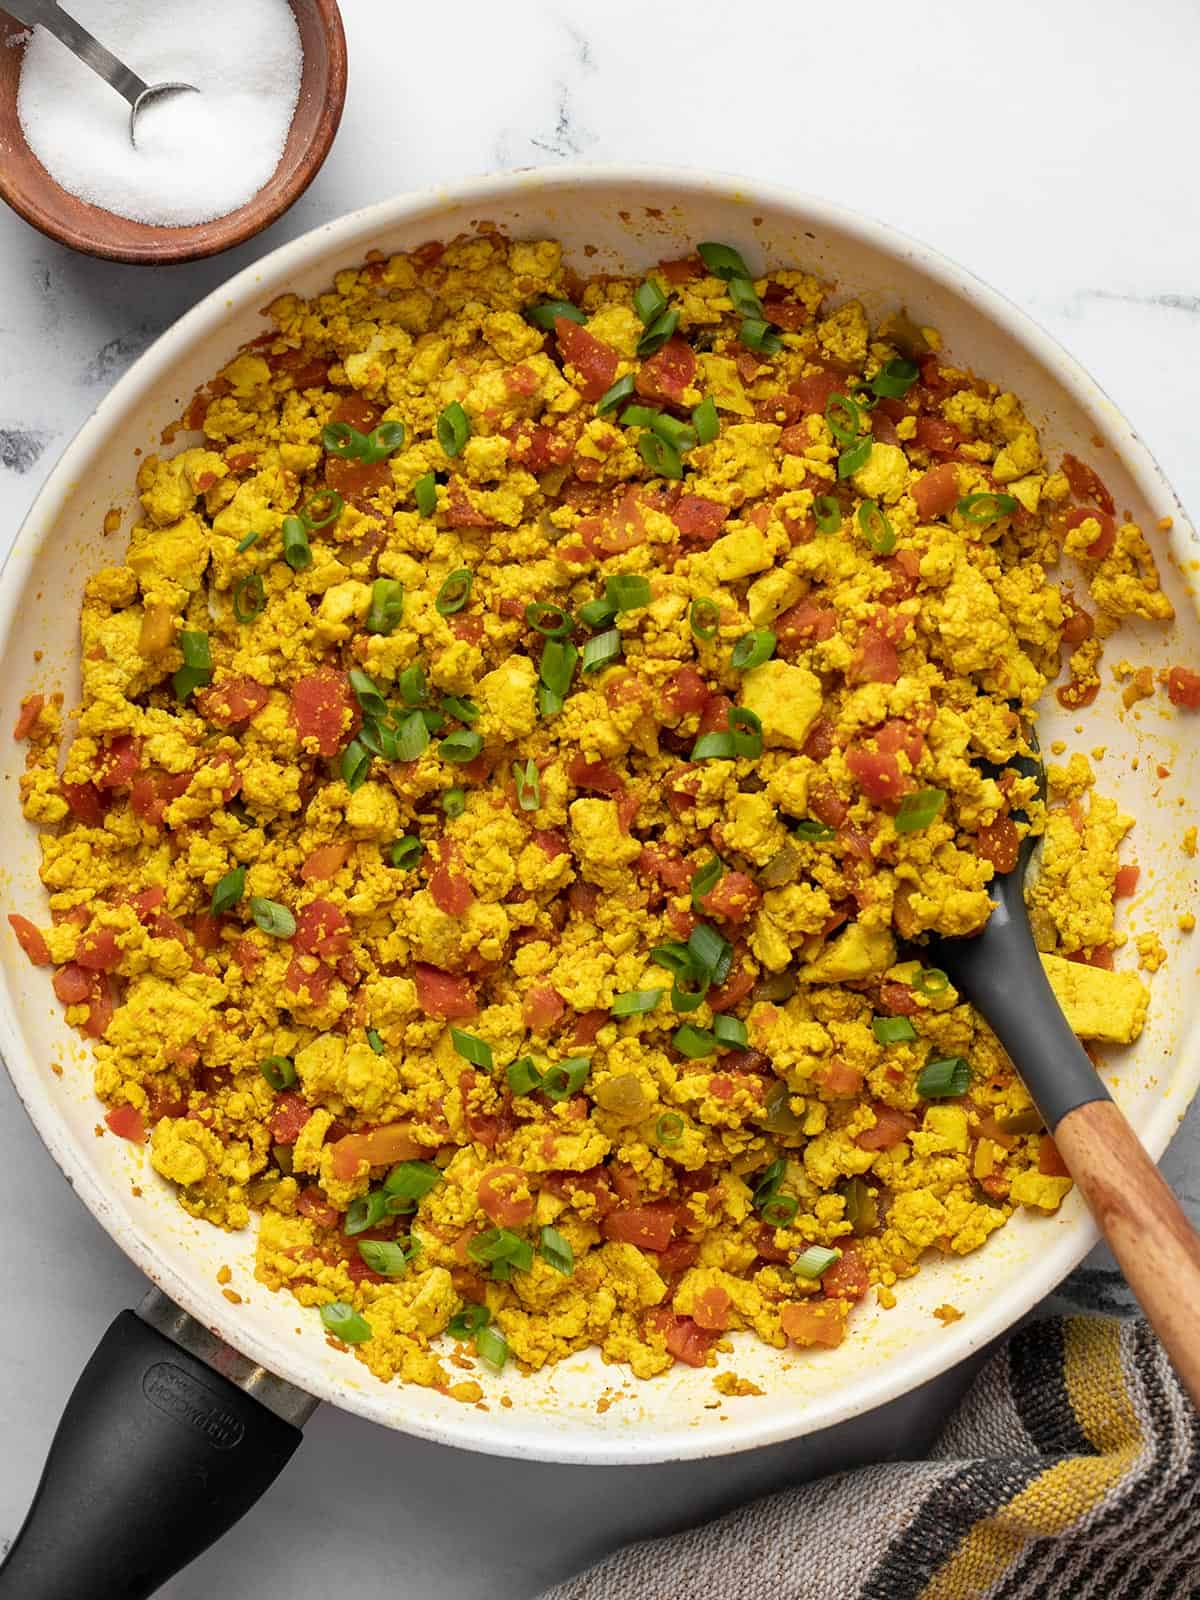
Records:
x=630, y=219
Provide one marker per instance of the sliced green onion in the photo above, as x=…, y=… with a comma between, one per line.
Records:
x=356, y=763
x=843, y=419
x=407, y=852
x=769, y=1181
x=918, y=810
x=366, y=1211
x=455, y=706
x=760, y=337
x=862, y=1212
x=465, y=1324
x=345, y=1323
x=244, y=544
x=627, y=591
x=529, y=784
x=984, y=508
x=296, y=549
x=523, y=1077
x=930, y=980
x=454, y=592
x=813, y=831
x=477, y=1051
x=730, y=1031
x=272, y=918
x=196, y=670
x=382, y=442
x=597, y=613
x=693, y=1042
x=432, y=718
x=454, y=802
x=320, y=509
x=893, y=1030
x=229, y=891
x=944, y=1079
x=616, y=395
x=704, y=618
x=857, y=456
x=460, y=746
x=752, y=649
x=412, y=686
x=669, y=1128
x=634, y=1002
x=387, y=605
x=555, y=1250
x=680, y=435
x=705, y=879
x=492, y=1348
x=660, y=456
x=547, y=312
x=412, y=737
x=567, y=1078
x=501, y=1249
x=375, y=1040
x=827, y=514
x=780, y=1210
x=649, y=301
x=689, y=991
x=410, y=1181
x=710, y=953
x=367, y=694
x=601, y=651
x=722, y=260
x=341, y=440
x=557, y=666
x=674, y=958
x=453, y=428
x=657, y=333
x=554, y=621
x=425, y=494
x=815, y=1261
x=386, y=1257
x=639, y=416
x=745, y=302
x=895, y=380
x=864, y=396
x=746, y=727
x=249, y=598
x=705, y=420
x=713, y=747
x=875, y=528
x=279, y=1071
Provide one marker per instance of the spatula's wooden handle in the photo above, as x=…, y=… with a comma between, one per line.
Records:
x=1156, y=1246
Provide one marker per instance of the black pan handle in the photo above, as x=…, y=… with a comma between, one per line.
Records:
x=156, y=1456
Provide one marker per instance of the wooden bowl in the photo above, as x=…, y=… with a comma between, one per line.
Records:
x=33, y=193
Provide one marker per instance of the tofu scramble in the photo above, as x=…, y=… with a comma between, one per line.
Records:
x=521, y=750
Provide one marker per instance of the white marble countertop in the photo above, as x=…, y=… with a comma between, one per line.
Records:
x=1039, y=145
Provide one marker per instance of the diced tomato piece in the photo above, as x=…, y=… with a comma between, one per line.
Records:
x=86, y=803
x=582, y=897
x=324, y=709
x=311, y=1203
x=686, y=693
x=1183, y=687
x=803, y=624
x=325, y=862
x=1000, y=843
x=550, y=842
x=613, y=532
x=847, y=1278
x=939, y=437
x=897, y=735
x=97, y=950
x=891, y=1126
x=448, y=883
x=936, y=492
x=814, y=391
x=232, y=701
x=100, y=1007
x=839, y=1079
x=735, y=988
x=764, y=1244
x=733, y=897
x=1077, y=693
x=649, y=1227
x=536, y=448
x=1078, y=626
x=72, y=984
x=206, y=930
x=698, y=519
x=587, y=1026
x=593, y=1182
x=816, y=1323
x=462, y=512
x=594, y=361
x=1105, y=538
x=1086, y=483
x=496, y=1195
x=31, y=710
x=378, y=1148
x=789, y=314
x=322, y=929
x=1050, y=1163
x=541, y=1007
x=878, y=775
x=820, y=741
x=596, y=775
x=30, y=939
x=875, y=660
x=153, y=792
x=119, y=762
x=357, y=481
x=126, y=1123
x=714, y=714
x=685, y=1339
x=300, y=980
x=898, y=1000
x=668, y=372
x=711, y=1309
x=441, y=995
x=685, y=269
x=665, y=866
x=1124, y=884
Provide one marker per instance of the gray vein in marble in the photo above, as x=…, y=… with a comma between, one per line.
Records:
x=568, y=138
x=1189, y=303
x=20, y=448
x=114, y=357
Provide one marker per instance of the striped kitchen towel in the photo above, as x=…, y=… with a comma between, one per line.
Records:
x=1071, y=1470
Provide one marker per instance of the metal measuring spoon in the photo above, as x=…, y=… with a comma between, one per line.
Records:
x=136, y=90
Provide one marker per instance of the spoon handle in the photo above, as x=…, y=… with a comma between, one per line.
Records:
x=1156, y=1246
x=55, y=20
